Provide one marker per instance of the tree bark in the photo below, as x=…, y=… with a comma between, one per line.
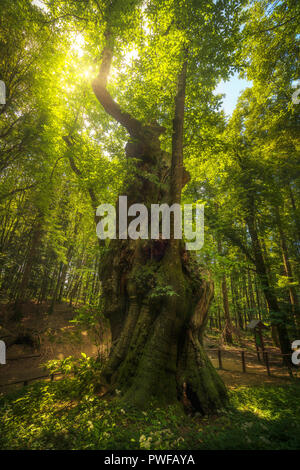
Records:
x=153, y=289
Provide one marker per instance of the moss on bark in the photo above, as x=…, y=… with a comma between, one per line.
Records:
x=157, y=299
x=159, y=356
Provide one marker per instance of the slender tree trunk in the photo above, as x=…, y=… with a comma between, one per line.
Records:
x=296, y=215
x=79, y=290
x=219, y=318
x=35, y=241
x=234, y=293
x=64, y=273
x=251, y=296
x=224, y=290
x=288, y=272
x=267, y=289
x=246, y=297
x=228, y=325
x=257, y=298
x=56, y=290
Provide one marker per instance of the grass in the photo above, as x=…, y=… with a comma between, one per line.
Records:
x=67, y=415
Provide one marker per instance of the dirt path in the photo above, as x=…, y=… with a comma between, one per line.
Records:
x=256, y=371
x=233, y=375
x=58, y=339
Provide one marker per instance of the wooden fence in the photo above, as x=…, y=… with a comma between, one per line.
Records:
x=265, y=359
x=220, y=356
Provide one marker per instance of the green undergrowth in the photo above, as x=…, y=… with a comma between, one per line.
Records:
x=68, y=415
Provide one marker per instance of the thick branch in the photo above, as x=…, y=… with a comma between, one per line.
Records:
x=277, y=25
x=18, y=190
x=177, y=137
x=132, y=125
x=78, y=172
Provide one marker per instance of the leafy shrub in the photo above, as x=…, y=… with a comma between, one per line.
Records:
x=67, y=414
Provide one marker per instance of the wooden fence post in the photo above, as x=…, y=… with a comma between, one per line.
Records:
x=243, y=361
x=266, y=358
x=220, y=359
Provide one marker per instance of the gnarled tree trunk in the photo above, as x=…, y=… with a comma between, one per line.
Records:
x=153, y=290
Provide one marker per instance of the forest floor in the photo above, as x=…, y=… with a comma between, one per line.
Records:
x=263, y=411
x=62, y=415
x=256, y=371
x=54, y=337
x=59, y=338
